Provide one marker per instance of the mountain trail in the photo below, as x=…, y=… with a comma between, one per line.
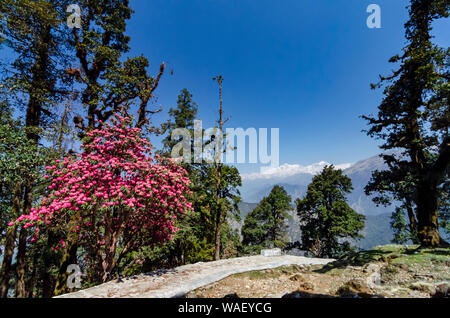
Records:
x=178, y=281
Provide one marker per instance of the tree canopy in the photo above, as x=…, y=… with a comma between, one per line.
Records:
x=266, y=225
x=414, y=117
x=326, y=220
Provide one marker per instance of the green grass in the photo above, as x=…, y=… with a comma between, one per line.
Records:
x=423, y=256
x=270, y=273
x=394, y=254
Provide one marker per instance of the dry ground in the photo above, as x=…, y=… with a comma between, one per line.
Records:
x=386, y=271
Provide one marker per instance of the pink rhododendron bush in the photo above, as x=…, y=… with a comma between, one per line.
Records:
x=113, y=198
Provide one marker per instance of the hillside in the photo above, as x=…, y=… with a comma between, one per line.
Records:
x=388, y=271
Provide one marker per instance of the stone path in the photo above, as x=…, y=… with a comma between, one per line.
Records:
x=180, y=280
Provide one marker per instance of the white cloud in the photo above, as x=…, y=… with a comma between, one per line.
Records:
x=287, y=169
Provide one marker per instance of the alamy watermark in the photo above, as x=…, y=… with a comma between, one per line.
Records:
x=374, y=19
x=74, y=19
x=214, y=146
x=74, y=279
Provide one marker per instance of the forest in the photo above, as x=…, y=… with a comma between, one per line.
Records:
x=82, y=182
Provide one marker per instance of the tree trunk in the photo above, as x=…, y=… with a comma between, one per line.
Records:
x=217, y=239
x=108, y=263
x=412, y=223
x=10, y=241
x=427, y=214
x=69, y=257
x=32, y=281
x=20, y=265
x=47, y=281
x=218, y=161
x=7, y=261
x=22, y=248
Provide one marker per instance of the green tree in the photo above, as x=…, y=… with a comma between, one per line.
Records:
x=224, y=179
x=266, y=225
x=399, y=224
x=182, y=116
x=20, y=159
x=109, y=83
x=396, y=186
x=326, y=220
x=34, y=77
x=220, y=195
x=192, y=243
x=413, y=115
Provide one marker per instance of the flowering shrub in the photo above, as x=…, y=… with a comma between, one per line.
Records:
x=112, y=193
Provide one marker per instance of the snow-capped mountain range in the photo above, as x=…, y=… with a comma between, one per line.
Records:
x=295, y=179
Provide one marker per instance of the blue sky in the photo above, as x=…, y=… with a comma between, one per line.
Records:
x=302, y=66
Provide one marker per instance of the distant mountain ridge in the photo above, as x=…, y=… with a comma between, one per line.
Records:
x=255, y=188
x=377, y=230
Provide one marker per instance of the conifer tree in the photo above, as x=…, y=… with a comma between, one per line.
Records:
x=182, y=116
x=266, y=225
x=326, y=219
x=413, y=115
x=33, y=31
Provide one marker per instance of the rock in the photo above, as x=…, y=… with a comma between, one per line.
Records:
x=423, y=287
x=307, y=286
x=393, y=256
x=374, y=280
x=304, y=294
x=297, y=278
x=271, y=252
x=355, y=288
x=372, y=268
x=292, y=295
x=442, y=290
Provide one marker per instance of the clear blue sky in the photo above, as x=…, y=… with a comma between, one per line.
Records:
x=302, y=66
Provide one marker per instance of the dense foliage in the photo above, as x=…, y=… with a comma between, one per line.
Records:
x=326, y=220
x=266, y=225
x=414, y=117
x=117, y=193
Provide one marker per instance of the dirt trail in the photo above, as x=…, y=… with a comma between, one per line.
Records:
x=178, y=281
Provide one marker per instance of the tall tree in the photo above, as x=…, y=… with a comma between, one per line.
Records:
x=182, y=116
x=266, y=225
x=109, y=85
x=226, y=179
x=108, y=82
x=32, y=29
x=414, y=115
x=219, y=206
x=216, y=202
x=190, y=243
x=326, y=219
